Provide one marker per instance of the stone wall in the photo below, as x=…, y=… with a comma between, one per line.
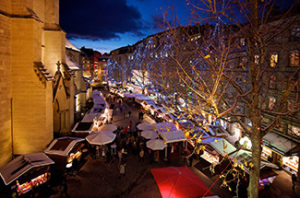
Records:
x=5, y=84
x=32, y=117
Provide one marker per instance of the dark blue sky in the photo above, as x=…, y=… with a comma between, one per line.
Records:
x=109, y=24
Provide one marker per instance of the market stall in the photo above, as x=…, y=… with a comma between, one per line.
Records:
x=171, y=135
x=64, y=150
x=26, y=173
x=216, y=148
x=282, y=151
x=267, y=174
x=82, y=129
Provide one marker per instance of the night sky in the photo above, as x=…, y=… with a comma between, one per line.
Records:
x=109, y=24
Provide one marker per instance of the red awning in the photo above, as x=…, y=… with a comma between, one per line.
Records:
x=179, y=182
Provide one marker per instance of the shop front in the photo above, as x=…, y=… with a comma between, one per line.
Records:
x=26, y=173
x=290, y=164
x=281, y=151
x=267, y=173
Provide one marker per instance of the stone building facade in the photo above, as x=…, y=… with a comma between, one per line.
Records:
x=32, y=42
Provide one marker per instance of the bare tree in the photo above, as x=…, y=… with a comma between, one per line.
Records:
x=227, y=63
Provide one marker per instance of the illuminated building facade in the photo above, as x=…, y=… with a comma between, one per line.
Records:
x=32, y=43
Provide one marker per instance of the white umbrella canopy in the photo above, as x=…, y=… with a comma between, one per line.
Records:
x=156, y=144
x=108, y=127
x=100, y=138
x=129, y=95
x=149, y=134
x=145, y=126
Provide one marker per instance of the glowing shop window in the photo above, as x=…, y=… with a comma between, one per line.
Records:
x=273, y=59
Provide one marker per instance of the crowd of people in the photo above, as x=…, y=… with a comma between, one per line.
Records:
x=128, y=138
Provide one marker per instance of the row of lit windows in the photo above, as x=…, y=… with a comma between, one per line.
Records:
x=274, y=58
x=293, y=58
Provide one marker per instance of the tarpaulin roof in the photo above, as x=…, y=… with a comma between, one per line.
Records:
x=243, y=155
x=278, y=143
x=173, y=136
x=22, y=164
x=63, y=145
x=223, y=147
x=169, y=132
x=179, y=182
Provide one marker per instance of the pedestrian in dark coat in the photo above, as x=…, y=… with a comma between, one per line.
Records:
x=129, y=113
x=294, y=180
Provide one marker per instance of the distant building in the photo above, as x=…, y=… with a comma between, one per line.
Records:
x=119, y=66
x=89, y=61
x=101, y=70
x=73, y=57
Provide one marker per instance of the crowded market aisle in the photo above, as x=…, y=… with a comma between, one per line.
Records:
x=100, y=178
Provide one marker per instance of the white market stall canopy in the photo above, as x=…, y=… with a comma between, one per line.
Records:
x=243, y=155
x=97, y=97
x=22, y=164
x=100, y=138
x=156, y=144
x=89, y=117
x=129, y=95
x=149, y=134
x=278, y=143
x=108, y=127
x=145, y=126
x=143, y=97
x=63, y=145
x=222, y=146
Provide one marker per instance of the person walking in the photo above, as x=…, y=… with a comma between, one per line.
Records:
x=122, y=169
x=294, y=181
x=64, y=189
x=130, y=126
x=129, y=113
x=120, y=155
x=141, y=155
x=140, y=115
x=124, y=114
